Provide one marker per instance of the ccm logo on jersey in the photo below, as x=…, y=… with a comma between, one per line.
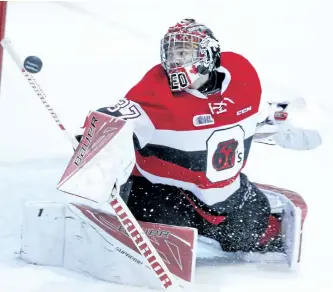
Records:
x=244, y=110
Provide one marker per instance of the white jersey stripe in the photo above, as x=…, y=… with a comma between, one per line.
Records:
x=195, y=140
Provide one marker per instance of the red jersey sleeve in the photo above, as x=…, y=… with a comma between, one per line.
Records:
x=245, y=80
x=140, y=103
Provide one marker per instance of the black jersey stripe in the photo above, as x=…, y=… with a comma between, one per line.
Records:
x=192, y=160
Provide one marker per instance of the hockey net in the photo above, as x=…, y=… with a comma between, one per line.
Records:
x=3, y=12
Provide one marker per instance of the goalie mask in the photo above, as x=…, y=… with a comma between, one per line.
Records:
x=188, y=51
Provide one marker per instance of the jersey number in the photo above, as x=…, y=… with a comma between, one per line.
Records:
x=126, y=109
x=225, y=155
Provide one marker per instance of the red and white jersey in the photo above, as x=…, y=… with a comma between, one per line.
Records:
x=195, y=142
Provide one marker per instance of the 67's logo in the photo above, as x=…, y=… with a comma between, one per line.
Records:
x=225, y=154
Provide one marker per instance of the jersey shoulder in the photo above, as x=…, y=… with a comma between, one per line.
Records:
x=151, y=87
x=240, y=67
x=244, y=83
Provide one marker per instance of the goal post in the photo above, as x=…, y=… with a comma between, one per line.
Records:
x=3, y=12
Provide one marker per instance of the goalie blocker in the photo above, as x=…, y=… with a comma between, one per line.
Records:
x=90, y=238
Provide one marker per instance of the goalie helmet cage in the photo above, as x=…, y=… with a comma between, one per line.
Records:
x=3, y=12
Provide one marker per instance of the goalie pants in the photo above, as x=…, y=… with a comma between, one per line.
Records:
x=238, y=223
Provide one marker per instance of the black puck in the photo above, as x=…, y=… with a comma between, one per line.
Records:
x=33, y=64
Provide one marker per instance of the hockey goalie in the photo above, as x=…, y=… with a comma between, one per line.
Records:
x=173, y=150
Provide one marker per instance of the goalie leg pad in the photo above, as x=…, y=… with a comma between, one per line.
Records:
x=56, y=235
x=43, y=233
x=82, y=239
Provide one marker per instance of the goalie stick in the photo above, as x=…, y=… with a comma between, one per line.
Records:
x=124, y=215
x=141, y=240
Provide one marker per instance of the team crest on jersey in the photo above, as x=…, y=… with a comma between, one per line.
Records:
x=203, y=120
x=217, y=108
